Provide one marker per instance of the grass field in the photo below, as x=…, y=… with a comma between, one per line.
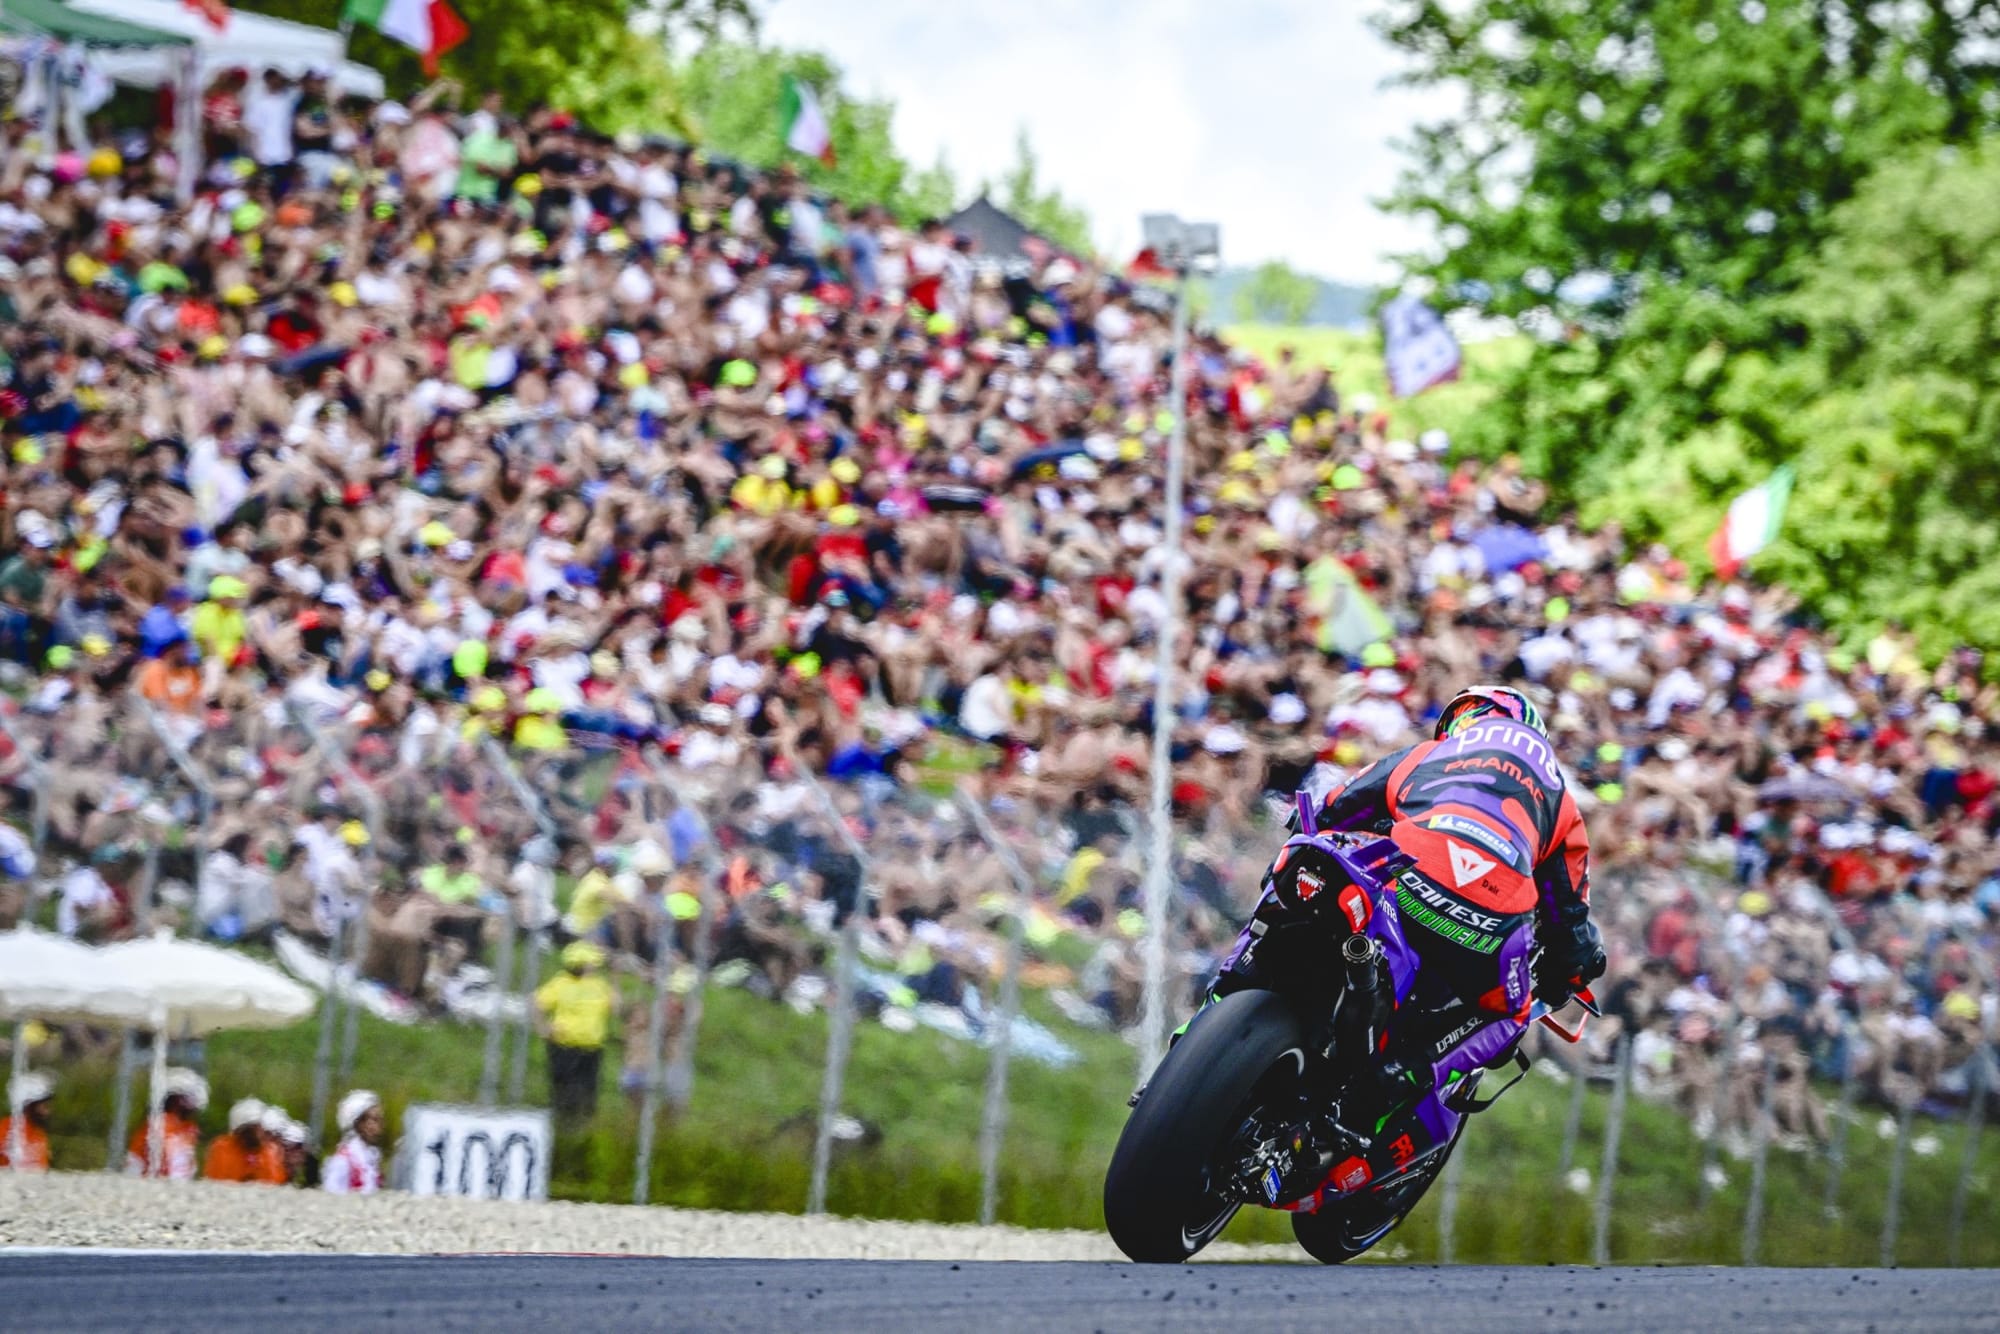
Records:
x=745, y=1143
x=1356, y=360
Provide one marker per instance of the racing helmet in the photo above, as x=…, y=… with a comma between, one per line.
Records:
x=1476, y=702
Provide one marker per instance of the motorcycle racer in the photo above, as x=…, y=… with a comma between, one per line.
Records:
x=1483, y=810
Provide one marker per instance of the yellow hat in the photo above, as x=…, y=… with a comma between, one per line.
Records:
x=1242, y=461
x=435, y=534
x=633, y=376
x=542, y=700
x=354, y=833
x=343, y=294
x=489, y=699
x=1961, y=1005
x=1754, y=902
x=844, y=516
x=96, y=645
x=241, y=294
x=771, y=466
x=845, y=471
x=227, y=586
x=378, y=679
x=106, y=162
x=213, y=348
x=528, y=186
x=582, y=954
x=1131, y=450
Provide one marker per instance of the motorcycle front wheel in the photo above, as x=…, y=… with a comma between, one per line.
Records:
x=1161, y=1201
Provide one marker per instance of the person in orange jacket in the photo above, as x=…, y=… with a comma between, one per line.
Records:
x=185, y=1096
x=31, y=1092
x=242, y=1154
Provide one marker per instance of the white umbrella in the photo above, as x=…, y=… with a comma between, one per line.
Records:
x=200, y=989
x=197, y=989
x=44, y=976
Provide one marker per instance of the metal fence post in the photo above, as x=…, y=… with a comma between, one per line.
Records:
x=1573, y=1122
x=1600, y=1245
x=1896, y=1165
x=531, y=976
x=1753, y=1214
x=1836, y=1149
x=1718, y=1106
x=993, y=1114
x=1448, y=1206
x=1975, y=1120
x=840, y=1031
x=323, y=1053
x=496, y=1021
x=656, y=1044
x=350, y=1002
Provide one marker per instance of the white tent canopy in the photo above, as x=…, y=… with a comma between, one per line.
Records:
x=253, y=41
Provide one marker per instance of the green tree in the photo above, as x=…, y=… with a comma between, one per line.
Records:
x=606, y=60
x=1043, y=209
x=1276, y=293
x=733, y=91
x=1887, y=407
x=1637, y=181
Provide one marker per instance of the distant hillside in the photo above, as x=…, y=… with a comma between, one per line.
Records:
x=1339, y=306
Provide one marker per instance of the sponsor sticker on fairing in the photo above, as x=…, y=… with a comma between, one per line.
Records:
x=1309, y=885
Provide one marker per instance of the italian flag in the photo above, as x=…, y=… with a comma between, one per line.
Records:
x=1751, y=524
x=806, y=129
x=428, y=27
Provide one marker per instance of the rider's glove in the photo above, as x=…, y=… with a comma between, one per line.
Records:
x=1572, y=958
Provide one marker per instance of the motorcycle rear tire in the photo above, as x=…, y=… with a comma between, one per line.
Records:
x=1345, y=1228
x=1159, y=1203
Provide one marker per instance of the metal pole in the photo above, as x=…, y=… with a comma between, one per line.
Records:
x=1154, y=1005
x=1718, y=1105
x=350, y=999
x=993, y=1115
x=1753, y=1214
x=1573, y=1122
x=156, y=1098
x=323, y=1054
x=1448, y=1206
x=531, y=977
x=496, y=1020
x=656, y=1044
x=679, y=1087
x=840, y=1031
x=121, y=1105
x=1600, y=1245
x=1975, y=1120
x=1896, y=1164
x=839, y=1044
x=1836, y=1149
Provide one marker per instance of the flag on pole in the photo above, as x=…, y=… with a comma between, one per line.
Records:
x=215, y=11
x=1751, y=524
x=1417, y=349
x=428, y=27
x=806, y=130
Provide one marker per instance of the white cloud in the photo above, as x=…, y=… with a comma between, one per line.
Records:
x=1267, y=116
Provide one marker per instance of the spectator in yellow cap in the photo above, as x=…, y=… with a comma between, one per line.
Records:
x=576, y=1010
x=218, y=629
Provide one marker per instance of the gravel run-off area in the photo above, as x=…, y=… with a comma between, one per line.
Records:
x=88, y=1209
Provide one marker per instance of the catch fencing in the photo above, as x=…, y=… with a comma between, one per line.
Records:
x=978, y=905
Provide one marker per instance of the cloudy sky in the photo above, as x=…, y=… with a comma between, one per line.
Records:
x=1267, y=116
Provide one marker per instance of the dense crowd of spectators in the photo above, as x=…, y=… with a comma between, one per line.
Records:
x=431, y=445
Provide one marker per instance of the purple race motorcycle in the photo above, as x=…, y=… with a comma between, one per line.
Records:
x=1246, y=1108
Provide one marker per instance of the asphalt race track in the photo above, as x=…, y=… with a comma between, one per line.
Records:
x=575, y=1295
